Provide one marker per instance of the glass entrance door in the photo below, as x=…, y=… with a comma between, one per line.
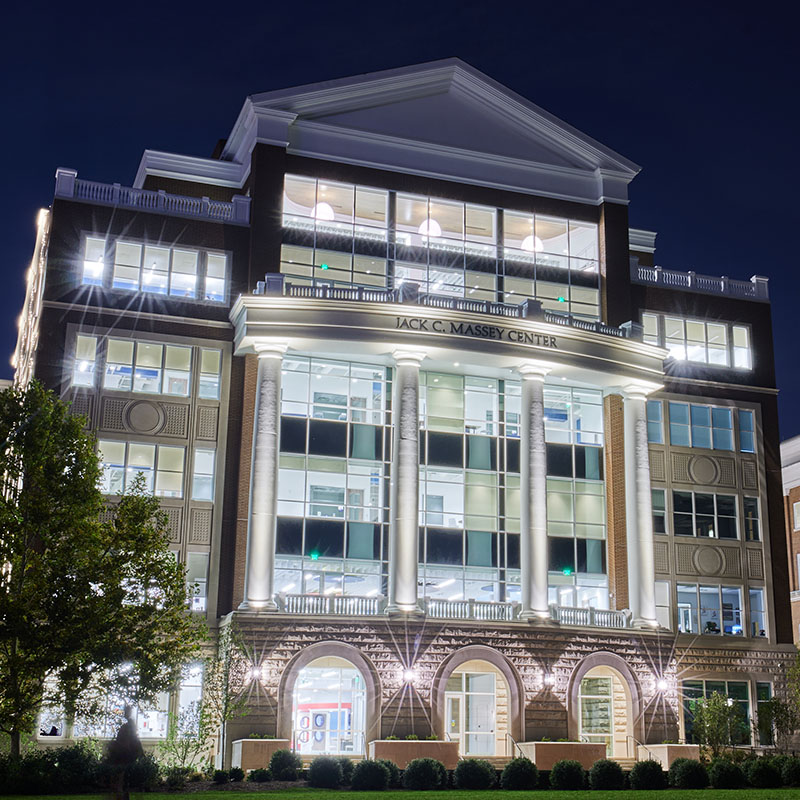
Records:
x=597, y=712
x=470, y=712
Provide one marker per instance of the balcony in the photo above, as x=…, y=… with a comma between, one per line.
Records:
x=275, y=285
x=68, y=186
x=435, y=608
x=757, y=288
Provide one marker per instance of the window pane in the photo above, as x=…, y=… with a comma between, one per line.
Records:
x=147, y=376
x=85, y=354
x=203, y=477
x=183, y=280
x=94, y=261
x=155, y=269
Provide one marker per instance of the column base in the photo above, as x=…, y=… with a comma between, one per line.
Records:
x=536, y=617
x=414, y=612
x=645, y=624
x=262, y=605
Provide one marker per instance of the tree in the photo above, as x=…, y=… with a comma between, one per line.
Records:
x=778, y=721
x=91, y=600
x=718, y=722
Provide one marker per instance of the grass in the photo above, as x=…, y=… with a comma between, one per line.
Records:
x=452, y=794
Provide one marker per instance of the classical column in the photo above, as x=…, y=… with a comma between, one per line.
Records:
x=259, y=576
x=533, y=495
x=404, y=509
x=639, y=511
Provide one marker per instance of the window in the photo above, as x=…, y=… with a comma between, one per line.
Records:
x=197, y=580
x=94, y=261
x=663, y=604
x=701, y=514
x=85, y=356
x=203, y=474
x=161, y=465
x=746, y=435
x=304, y=265
x=752, y=531
x=164, y=270
x=710, y=610
x=210, y=362
x=716, y=343
x=765, y=732
x=758, y=614
x=736, y=691
x=190, y=695
x=659, y=510
x=796, y=515
x=655, y=423
x=692, y=425
x=148, y=367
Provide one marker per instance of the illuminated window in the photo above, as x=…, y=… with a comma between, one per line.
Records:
x=148, y=367
x=210, y=362
x=710, y=610
x=197, y=580
x=203, y=474
x=121, y=462
x=85, y=355
x=94, y=261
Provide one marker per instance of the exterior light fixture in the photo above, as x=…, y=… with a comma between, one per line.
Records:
x=549, y=679
x=566, y=571
x=323, y=211
x=255, y=673
x=408, y=675
x=323, y=266
x=430, y=227
x=314, y=555
x=662, y=685
x=533, y=244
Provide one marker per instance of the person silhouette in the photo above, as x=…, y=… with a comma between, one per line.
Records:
x=122, y=751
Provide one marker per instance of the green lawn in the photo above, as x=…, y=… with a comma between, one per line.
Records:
x=452, y=794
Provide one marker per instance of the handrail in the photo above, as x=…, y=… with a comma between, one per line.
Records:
x=515, y=743
x=646, y=748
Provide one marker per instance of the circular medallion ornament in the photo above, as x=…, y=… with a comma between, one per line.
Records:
x=703, y=470
x=708, y=560
x=144, y=416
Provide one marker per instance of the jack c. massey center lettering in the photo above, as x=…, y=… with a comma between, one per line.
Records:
x=478, y=331
x=378, y=464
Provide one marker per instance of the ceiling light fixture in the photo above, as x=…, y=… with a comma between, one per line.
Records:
x=323, y=211
x=533, y=244
x=430, y=227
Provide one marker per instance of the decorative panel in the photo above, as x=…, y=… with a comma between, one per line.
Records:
x=749, y=475
x=112, y=417
x=657, y=470
x=708, y=560
x=175, y=517
x=144, y=416
x=732, y=567
x=755, y=564
x=680, y=467
x=727, y=472
x=683, y=559
x=81, y=404
x=176, y=420
x=206, y=427
x=703, y=470
x=107, y=514
x=200, y=531
x=661, y=556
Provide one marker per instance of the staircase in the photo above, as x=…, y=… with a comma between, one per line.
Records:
x=624, y=762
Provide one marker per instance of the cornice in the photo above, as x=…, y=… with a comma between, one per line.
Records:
x=642, y=241
x=190, y=168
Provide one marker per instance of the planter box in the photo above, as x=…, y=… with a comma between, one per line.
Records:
x=403, y=752
x=545, y=754
x=255, y=753
x=667, y=753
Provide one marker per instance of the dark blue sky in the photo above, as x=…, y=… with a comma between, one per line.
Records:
x=702, y=95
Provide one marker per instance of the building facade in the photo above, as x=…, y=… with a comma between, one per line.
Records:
x=790, y=465
x=433, y=431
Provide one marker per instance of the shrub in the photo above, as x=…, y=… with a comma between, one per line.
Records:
x=779, y=760
x=724, y=774
x=395, y=781
x=474, y=773
x=325, y=772
x=221, y=776
x=412, y=737
x=195, y=777
x=73, y=769
x=567, y=774
x=347, y=766
x=606, y=774
x=259, y=775
x=763, y=773
x=647, y=775
x=284, y=765
x=370, y=776
x=423, y=774
x=175, y=778
x=143, y=773
x=237, y=774
x=519, y=773
x=790, y=773
x=686, y=773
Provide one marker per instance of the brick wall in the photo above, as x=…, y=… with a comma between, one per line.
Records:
x=615, y=500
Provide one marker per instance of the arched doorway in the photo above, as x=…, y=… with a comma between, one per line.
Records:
x=605, y=712
x=476, y=709
x=329, y=708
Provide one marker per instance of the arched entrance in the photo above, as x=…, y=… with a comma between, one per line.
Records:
x=604, y=711
x=329, y=708
x=476, y=708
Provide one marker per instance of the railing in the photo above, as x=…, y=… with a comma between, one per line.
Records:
x=470, y=609
x=320, y=604
x=590, y=617
x=113, y=194
x=408, y=292
x=757, y=288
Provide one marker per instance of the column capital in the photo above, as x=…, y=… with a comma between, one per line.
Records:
x=269, y=348
x=638, y=391
x=534, y=370
x=411, y=358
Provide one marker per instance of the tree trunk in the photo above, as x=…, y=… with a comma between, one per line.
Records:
x=15, y=744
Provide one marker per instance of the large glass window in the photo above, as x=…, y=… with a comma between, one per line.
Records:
x=711, y=610
x=704, y=514
x=736, y=691
x=161, y=465
x=148, y=367
x=709, y=427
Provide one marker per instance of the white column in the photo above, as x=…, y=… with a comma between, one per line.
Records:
x=260, y=570
x=404, y=509
x=533, y=495
x=639, y=511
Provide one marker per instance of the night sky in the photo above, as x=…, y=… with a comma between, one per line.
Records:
x=702, y=95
